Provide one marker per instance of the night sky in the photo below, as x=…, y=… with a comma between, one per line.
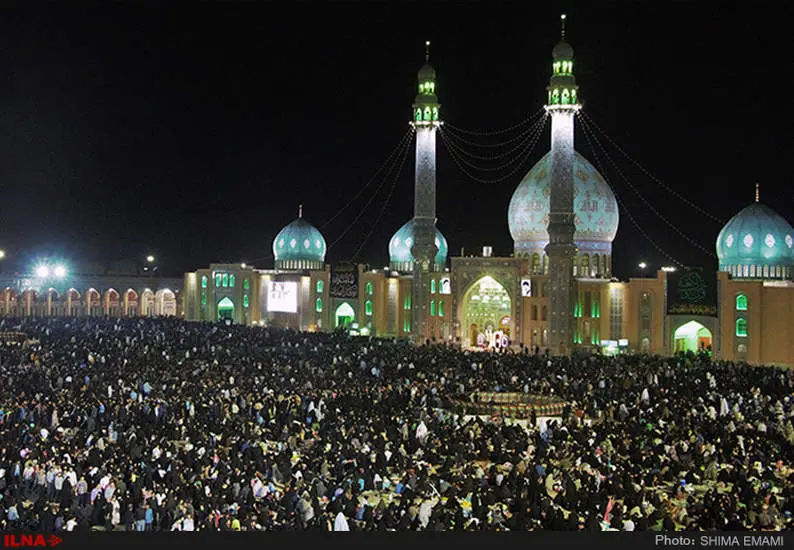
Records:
x=194, y=132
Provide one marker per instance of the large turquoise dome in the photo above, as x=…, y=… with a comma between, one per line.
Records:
x=757, y=243
x=596, y=212
x=299, y=245
x=400, y=256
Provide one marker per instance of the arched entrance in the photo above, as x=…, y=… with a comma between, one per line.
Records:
x=165, y=302
x=344, y=315
x=487, y=310
x=226, y=310
x=692, y=336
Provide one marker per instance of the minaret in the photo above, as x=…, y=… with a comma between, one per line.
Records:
x=561, y=250
x=425, y=122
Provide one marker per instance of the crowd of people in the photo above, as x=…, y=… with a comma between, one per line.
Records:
x=164, y=425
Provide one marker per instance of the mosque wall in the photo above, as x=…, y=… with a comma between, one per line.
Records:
x=644, y=313
x=756, y=321
x=91, y=296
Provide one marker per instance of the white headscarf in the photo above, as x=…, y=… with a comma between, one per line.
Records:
x=340, y=523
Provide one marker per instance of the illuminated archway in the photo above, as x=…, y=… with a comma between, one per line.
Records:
x=147, y=303
x=692, y=336
x=165, y=302
x=486, y=305
x=345, y=315
x=226, y=310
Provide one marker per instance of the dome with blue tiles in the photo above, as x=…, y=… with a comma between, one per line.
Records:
x=595, y=207
x=299, y=245
x=400, y=256
x=757, y=243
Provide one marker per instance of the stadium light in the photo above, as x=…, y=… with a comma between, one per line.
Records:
x=43, y=271
x=2, y=254
x=668, y=269
x=643, y=265
x=60, y=271
x=150, y=258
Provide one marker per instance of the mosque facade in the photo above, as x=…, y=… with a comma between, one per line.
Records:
x=556, y=293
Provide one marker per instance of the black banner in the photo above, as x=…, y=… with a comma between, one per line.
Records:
x=344, y=281
x=691, y=292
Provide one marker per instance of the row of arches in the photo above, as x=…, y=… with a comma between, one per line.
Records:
x=89, y=303
x=758, y=271
x=584, y=265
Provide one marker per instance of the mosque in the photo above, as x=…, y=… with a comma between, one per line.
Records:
x=556, y=293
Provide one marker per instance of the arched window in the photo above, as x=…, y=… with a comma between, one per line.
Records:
x=741, y=302
x=766, y=271
x=319, y=287
x=218, y=279
x=544, y=314
x=741, y=327
x=203, y=281
x=203, y=298
x=752, y=271
x=318, y=305
x=432, y=286
x=555, y=97
x=777, y=271
x=225, y=280
x=368, y=307
x=245, y=300
x=231, y=280
x=369, y=288
x=407, y=303
x=556, y=67
x=418, y=114
x=427, y=113
x=585, y=265
x=432, y=308
x=566, y=97
x=534, y=313
x=246, y=284
x=441, y=308
x=536, y=263
x=573, y=96
x=435, y=113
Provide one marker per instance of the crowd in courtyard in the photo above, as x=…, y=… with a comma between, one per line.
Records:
x=164, y=425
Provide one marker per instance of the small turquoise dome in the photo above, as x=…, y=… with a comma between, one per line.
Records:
x=757, y=243
x=400, y=256
x=595, y=206
x=299, y=245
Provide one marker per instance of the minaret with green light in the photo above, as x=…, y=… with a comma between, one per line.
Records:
x=425, y=121
x=563, y=104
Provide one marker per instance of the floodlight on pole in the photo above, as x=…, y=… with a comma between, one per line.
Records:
x=42, y=271
x=150, y=258
x=643, y=265
x=2, y=254
x=60, y=271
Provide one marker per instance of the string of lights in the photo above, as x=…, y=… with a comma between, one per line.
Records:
x=498, y=132
x=408, y=134
x=526, y=155
x=645, y=201
x=499, y=145
x=406, y=145
x=623, y=205
x=647, y=173
x=503, y=166
x=529, y=133
x=385, y=205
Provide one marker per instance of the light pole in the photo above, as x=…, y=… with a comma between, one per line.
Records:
x=150, y=267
